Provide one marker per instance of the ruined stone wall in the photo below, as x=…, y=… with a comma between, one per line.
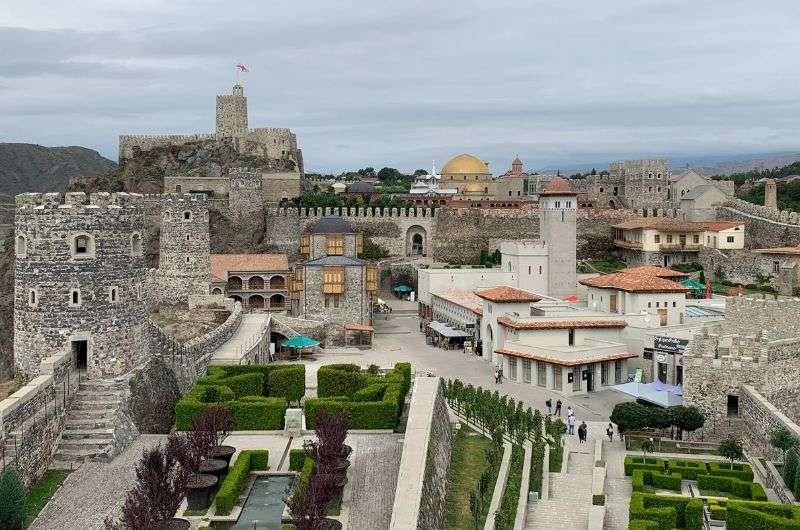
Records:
x=94, y=293
x=760, y=417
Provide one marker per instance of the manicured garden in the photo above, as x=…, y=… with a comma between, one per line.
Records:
x=256, y=396
x=369, y=400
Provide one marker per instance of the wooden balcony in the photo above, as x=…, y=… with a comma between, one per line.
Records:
x=631, y=245
x=677, y=247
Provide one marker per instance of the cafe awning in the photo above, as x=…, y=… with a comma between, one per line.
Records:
x=656, y=393
x=446, y=331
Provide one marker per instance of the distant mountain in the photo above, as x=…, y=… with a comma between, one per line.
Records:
x=31, y=167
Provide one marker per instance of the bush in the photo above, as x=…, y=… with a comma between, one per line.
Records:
x=668, y=511
x=646, y=463
x=373, y=392
x=639, y=524
x=340, y=380
x=740, y=471
x=790, y=468
x=646, y=480
x=256, y=413
x=740, y=488
x=746, y=515
x=297, y=458
x=288, y=383
x=688, y=469
x=12, y=500
x=242, y=385
x=537, y=466
x=236, y=478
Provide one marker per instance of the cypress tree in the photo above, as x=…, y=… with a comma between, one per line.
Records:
x=790, y=469
x=12, y=500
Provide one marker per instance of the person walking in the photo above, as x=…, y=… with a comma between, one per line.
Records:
x=582, y=432
x=558, y=408
x=496, y=374
x=610, y=432
x=571, y=424
x=500, y=375
x=549, y=405
x=570, y=412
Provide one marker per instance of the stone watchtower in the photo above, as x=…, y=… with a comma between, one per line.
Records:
x=184, y=248
x=771, y=194
x=558, y=208
x=232, y=113
x=78, y=281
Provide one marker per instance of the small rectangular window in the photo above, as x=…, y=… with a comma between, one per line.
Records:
x=729, y=239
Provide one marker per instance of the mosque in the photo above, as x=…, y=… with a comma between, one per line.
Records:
x=466, y=177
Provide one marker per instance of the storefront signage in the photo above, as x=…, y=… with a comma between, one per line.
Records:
x=670, y=344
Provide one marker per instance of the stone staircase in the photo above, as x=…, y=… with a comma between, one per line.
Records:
x=567, y=507
x=89, y=428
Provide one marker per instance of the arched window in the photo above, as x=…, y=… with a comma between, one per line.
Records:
x=82, y=246
x=216, y=290
x=21, y=249
x=188, y=237
x=136, y=245
x=32, y=300
x=75, y=297
x=178, y=188
x=113, y=295
x=188, y=259
x=187, y=216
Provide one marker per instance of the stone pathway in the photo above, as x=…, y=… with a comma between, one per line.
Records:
x=94, y=491
x=618, y=487
x=247, y=335
x=372, y=479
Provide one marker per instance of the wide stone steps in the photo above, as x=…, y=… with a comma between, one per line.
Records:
x=88, y=434
x=567, y=508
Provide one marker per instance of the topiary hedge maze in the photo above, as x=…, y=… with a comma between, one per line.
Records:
x=256, y=395
x=369, y=401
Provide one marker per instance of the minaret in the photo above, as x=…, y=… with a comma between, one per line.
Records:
x=558, y=208
x=232, y=113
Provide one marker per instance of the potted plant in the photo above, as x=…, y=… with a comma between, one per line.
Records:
x=213, y=466
x=210, y=429
x=198, y=491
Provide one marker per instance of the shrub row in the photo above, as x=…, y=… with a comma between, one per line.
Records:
x=278, y=380
x=296, y=459
x=250, y=413
x=507, y=514
x=537, y=466
x=362, y=413
x=632, y=463
x=646, y=480
x=688, y=469
x=236, y=478
x=667, y=511
x=722, y=469
x=740, y=488
x=747, y=515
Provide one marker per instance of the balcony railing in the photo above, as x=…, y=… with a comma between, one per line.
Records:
x=678, y=247
x=633, y=245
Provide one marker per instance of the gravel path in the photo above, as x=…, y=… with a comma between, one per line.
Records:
x=93, y=491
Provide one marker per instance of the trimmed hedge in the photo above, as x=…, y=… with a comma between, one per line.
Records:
x=740, y=488
x=648, y=464
x=747, y=515
x=236, y=478
x=688, y=469
x=668, y=511
x=740, y=471
x=507, y=513
x=716, y=508
x=646, y=480
x=297, y=458
x=643, y=525
x=382, y=413
x=537, y=466
x=341, y=380
x=255, y=395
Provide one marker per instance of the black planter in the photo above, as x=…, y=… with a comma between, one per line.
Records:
x=173, y=524
x=223, y=452
x=213, y=466
x=198, y=491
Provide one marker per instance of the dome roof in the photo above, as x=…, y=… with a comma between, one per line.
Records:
x=472, y=187
x=558, y=186
x=466, y=165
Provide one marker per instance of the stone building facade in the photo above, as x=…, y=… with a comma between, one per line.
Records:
x=630, y=184
x=79, y=281
x=245, y=195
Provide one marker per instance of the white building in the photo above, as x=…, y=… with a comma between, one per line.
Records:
x=459, y=309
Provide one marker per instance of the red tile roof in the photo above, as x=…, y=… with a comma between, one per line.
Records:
x=558, y=186
x=466, y=299
x=779, y=250
x=222, y=264
x=565, y=362
x=635, y=283
x=654, y=270
x=664, y=224
x=560, y=324
x=505, y=294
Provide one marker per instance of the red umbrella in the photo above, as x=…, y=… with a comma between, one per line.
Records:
x=571, y=298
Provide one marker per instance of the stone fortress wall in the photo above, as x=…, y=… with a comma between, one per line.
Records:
x=79, y=276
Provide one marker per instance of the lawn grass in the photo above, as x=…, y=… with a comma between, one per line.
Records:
x=468, y=461
x=608, y=264
x=42, y=492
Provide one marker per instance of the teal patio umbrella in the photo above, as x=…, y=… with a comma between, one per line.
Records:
x=402, y=288
x=298, y=342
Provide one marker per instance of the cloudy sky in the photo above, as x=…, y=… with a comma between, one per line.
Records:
x=401, y=83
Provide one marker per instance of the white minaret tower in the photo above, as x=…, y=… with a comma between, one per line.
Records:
x=558, y=206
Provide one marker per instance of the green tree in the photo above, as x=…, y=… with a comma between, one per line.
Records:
x=12, y=500
x=781, y=438
x=687, y=419
x=790, y=468
x=648, y=447
x=389, y=173
x=796, y=485
x=630, y=416
x=419, y=172
x=731, y=448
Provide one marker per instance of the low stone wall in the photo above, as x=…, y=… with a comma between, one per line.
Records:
x=32, y=418
x=760, y=417
x=422, y=479
x=213, y=300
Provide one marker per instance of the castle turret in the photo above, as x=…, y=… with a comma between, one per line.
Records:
x=771, y=194
x=232, y=113
x=78, y=281
x=558, y=208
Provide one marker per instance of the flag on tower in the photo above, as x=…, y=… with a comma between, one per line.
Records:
x=242, y=68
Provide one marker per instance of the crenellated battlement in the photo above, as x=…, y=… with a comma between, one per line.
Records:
x=774, y=319
x=757, y=210
x=107, y=200
x=305, y=212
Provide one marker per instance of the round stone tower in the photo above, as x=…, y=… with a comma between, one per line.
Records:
x=771, y=194
x=184, y=248
x=78, y=281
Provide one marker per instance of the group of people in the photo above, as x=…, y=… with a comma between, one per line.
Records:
x=498, y=374
x=571, y=421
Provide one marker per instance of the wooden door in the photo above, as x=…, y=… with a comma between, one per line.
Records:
x=662, y=315
x=612, y=303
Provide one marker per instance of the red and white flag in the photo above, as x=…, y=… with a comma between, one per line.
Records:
x=242, y=68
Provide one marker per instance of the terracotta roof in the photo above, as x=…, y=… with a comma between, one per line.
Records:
x=222, y=264
x=565, y=362
x=721, y=225
x=779, y=250
x=635, y=283
x=558, y=186
x=560, y=324
x=664, y=224
x=466, y=299
x=505, y=294
x=654, y=270
x=354, y=326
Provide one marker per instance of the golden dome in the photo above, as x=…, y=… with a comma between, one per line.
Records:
x=472, y=187
x=466, y=165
